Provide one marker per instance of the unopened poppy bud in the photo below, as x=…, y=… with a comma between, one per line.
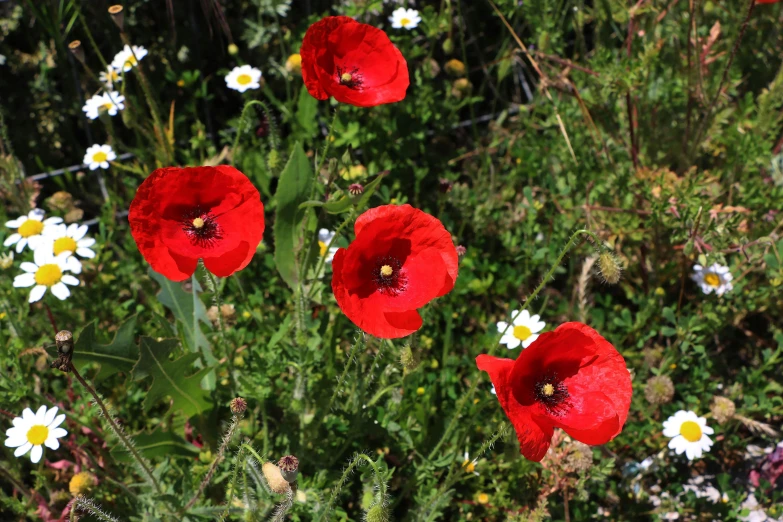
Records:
x=444, y=185
x=659, y=390
x=448, y=46
x=77, y=50
x=355, y=189
x=274, y=478
x=273, y=160
x=722, y=409
x=408, y=359
x=377, y=513
x=455, y=68
x=289, y=468
x=238, y=406
x=117, y=15
x=610, y=268
x=233, y=49
x=461, y=250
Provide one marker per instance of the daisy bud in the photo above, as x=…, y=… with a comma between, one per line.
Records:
x=610, y=268
x=82, y=483
x=722, y=409
x=76, y=214
x=6, y=260
x=444, y=185
x=228, y=312
x=77, y=50
x=659, y=390
x=233, y=49
x=61, y=200
x=448, y=46
x=294, y=64
x=377, y=513
x=117, y=15
x=461, y=87
x=455, y=68
x=355, y=189
x=289, y=468
x=461, y=250
x=238, y=406
x=274, y=478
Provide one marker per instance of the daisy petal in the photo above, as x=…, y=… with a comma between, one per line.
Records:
x=35, y=455
x=37, y=293
x=21, y=450
x=61, y=291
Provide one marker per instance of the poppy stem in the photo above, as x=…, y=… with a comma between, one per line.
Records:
x=51, y=318
x=357, y=460
x=360, y=340
x=469, y=394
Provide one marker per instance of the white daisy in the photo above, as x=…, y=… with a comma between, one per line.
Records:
x=99, y=156
x=324, y=238
x=111, y=102
x=756, y=514
x=470, y=465
x=128, y=58
x=70, y=239
x=29, y=230
x=524, y=329
x=33, y=430
x=109, y=77
x=717, y=278
x=405, y=18
x=243, y=78
x=48, y=272
x=689, y=434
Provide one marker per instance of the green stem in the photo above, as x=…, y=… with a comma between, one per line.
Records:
x=351, y=354
x=357, y=460
x=243, y=119
x=469, y=395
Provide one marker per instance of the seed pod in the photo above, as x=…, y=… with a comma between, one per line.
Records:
x=64, y=341
x=117, y=15
x=289, y=468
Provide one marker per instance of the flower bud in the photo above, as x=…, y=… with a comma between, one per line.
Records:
x=289, y=468
x=333, y=168
x=274, y=478
x=722, y=409
x=444, y=185
x=238, y=406
x=77, y=50
x=659, y=390
x=377, y=513
x=117, y=15
x=82, y=483
x=408, y=359
x=6, y=260
x=60, y=200
x=233, y=49
x=461, y=250
x=455, y=68
x=355, y=189
x=273, y=160
x=610, y=268
x=461, y=87
x=431, y=68
x=448, y=46
x=294, y=64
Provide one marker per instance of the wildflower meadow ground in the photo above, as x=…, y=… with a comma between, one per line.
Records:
x=384, y=260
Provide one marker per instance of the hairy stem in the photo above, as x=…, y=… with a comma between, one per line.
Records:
x=357, y=460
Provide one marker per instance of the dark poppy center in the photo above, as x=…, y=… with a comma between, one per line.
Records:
x=552, y=393
x=387, y=275
x=351, y=78
x=201, y=228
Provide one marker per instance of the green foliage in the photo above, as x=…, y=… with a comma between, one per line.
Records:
x=120, y=355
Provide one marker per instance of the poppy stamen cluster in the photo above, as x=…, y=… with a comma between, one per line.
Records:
x=388, y=276
x=552, y=393
x=351, y=79
x=201, y=228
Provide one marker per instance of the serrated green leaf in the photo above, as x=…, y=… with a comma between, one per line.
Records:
x=119, y=356
x=339, y=206
x=170, y=378
x=307, y=112
x=157, y=443
x=292, y=190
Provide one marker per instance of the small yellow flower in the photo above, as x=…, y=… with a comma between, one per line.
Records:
x=420, y=391
x=482, y=498
x=434, y=364
x=294, y=64
x=233, y=49
x=82, y=483
x=673, y=366
x=180, y=83
x=660, y=291
x=246, y=314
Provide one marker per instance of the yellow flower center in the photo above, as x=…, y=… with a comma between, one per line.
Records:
x=295, y=60
x=198, y=222
x=107, y=105
x=522, y=332
x=37, y=435
x=712, y=279
x=691, y=431
x=64, y=244
x=483, y=498
x=469, y=466
x=548, y=389
x=244, y=79
x=131, y=61
x=346, y=77
x=48, y=275
x=81, y=483
x=323, y=246
x=31, y=227
x=404, y=22
x=386, y=271
x=99, y=157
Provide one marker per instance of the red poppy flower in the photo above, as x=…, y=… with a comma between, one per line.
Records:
x=401, y=259
x=354, y=62
x=767, y=1
x=181, y=215
x=572, y=379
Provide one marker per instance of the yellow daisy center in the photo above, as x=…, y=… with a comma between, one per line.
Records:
x=469, y=466
x=548, y=389
x=64, y=244
x=712, y=279
x=198, y=222
x=386, y=271
x=522, y=332
x=107, y=105
x=37, y=435
x=99, y=157
x=404, y=22
x=48, y=275
x=322, y=246
x=346, y=77
x=691, y=431
x=244, y=79
x=483, y=498
x=131, y=61
x=31, y=227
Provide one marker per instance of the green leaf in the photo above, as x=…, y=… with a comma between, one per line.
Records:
x=169, y=378
x=307, y=112
x=157, y=443
x=339, y=206
x=369, y=190
x=119, y=356
x=292, y=190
